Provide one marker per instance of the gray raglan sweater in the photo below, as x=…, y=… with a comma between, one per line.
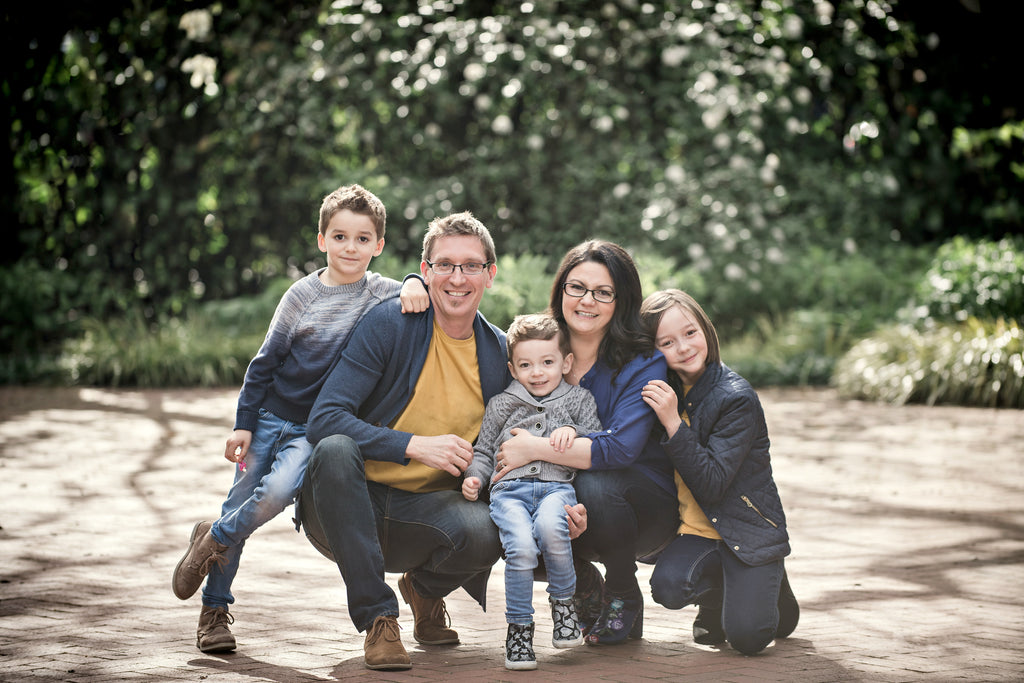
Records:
x=310, y=328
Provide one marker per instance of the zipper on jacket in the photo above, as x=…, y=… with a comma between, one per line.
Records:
x=754, y=508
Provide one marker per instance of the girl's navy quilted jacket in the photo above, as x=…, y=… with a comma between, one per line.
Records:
x=723, y=458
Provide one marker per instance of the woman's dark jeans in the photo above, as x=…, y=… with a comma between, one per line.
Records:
x=629, y=518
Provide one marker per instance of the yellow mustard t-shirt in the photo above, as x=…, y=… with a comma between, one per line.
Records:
x=692, y=519
x=447, y=400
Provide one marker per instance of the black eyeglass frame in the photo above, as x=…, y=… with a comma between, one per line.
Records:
x=584, y=291
x=460, y=266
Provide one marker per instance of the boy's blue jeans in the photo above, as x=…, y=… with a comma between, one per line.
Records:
x=694, y=570
x=442, y=539
x=531, y=520
x=274, y=468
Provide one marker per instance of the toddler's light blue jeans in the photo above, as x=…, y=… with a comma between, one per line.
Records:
x=531, y=520
x=274, y=469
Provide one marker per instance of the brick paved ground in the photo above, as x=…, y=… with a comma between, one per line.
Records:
x=907, y=525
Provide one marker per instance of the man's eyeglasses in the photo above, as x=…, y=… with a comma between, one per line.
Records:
x=601, y=296
x=447, y=268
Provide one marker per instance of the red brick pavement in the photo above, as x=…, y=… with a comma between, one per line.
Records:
x=907, y=526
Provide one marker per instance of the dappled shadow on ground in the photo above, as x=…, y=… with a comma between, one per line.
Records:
x=257, y=670
x=908, y=534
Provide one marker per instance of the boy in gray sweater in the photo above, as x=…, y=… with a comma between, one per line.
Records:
x=529, y=503
x=310, y=327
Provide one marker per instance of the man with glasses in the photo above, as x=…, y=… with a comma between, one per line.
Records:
x=393, y=429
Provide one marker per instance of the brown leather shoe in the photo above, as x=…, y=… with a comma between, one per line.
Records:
x=429, y=615
x=383, y=647
x=203, y=551
x=213, y=634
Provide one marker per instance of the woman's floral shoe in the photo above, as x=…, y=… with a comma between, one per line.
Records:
x=621, y=618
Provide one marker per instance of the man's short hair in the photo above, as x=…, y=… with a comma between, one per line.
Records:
x=458, y=224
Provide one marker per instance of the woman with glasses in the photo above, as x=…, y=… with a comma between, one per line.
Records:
x=627, y=489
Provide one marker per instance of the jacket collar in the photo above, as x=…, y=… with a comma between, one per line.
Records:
x=703, y=386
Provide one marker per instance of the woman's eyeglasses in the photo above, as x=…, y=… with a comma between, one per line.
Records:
x=601, y=296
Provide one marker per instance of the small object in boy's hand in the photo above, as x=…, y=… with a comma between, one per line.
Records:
x=241, y=463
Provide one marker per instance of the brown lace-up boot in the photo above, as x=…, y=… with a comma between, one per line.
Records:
x=203, y=551
x=213, y=634
x=429, y=614
x=383, y=647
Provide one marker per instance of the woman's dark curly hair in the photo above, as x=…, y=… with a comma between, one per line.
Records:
x=625, y=338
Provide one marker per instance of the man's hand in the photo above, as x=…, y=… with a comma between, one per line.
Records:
x=446, y=452
x=471, y=488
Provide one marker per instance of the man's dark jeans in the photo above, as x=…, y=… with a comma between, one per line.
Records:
x=369, y=528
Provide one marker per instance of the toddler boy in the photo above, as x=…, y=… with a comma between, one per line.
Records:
x=529, y=503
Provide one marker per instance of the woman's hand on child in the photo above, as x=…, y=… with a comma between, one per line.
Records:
x=662, y=399
x=414, y=296
x=577, y=516
x=515, y=452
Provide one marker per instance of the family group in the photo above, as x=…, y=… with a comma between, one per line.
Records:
x=415, y=437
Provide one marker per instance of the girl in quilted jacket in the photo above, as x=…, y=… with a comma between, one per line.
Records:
x=728, y=555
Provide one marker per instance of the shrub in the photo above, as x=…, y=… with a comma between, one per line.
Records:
x=41, y=369
x=865, y=285
x=800, y=349
x=210, y=346
x=177, y=352
x=33, y=304
x=812, y=310
x=243, y=316
x=983, y=279
x=976, y=363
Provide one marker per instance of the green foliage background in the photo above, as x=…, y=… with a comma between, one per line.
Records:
x=959, y=340
x=795, y=165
